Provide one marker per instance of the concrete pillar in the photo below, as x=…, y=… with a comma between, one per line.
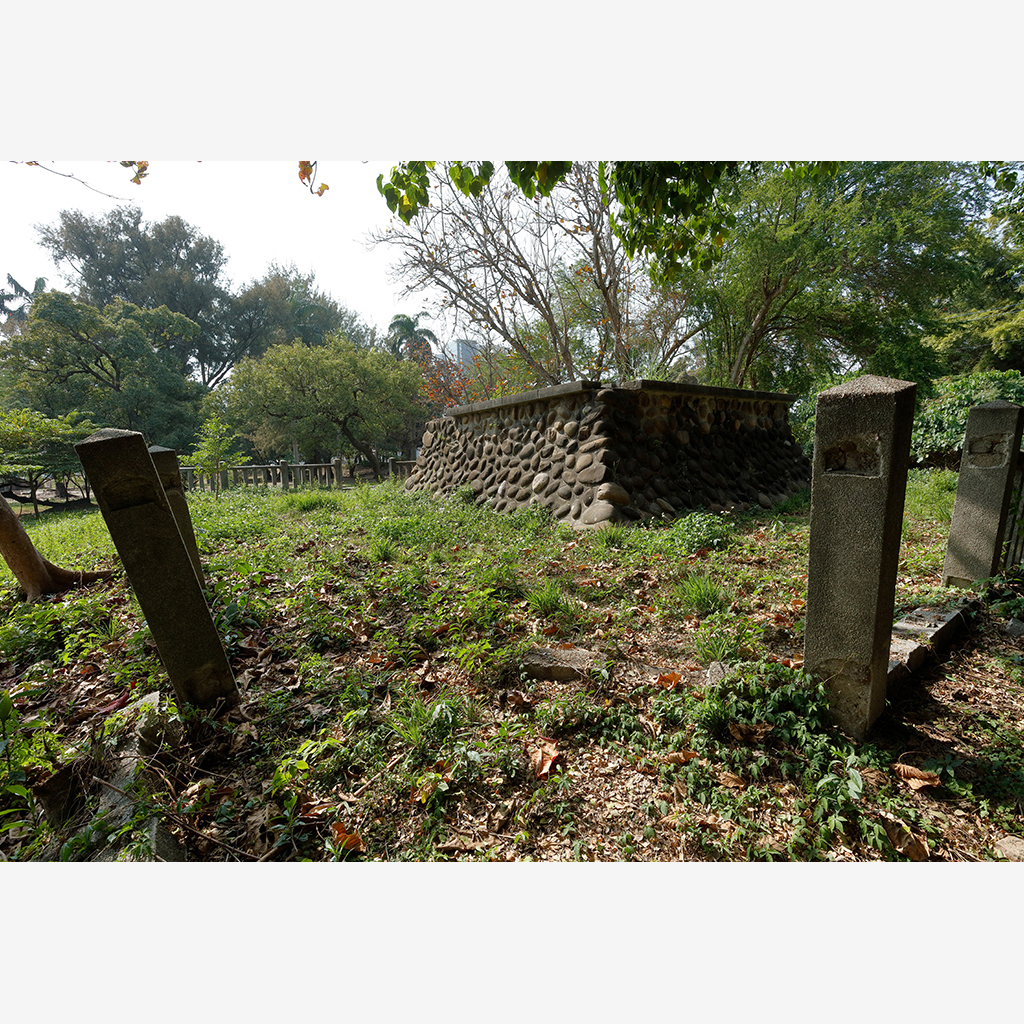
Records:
x=166, y=462
x=859, y=480
x=283, y=467
x=143, y=528
x=982, y=520
x=336, y=470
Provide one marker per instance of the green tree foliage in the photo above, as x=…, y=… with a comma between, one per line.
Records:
x=34, y=447
x=669, y=210
x=170, y=264
x=216, y=449
x=826, y=273
x=406, y=339
x=116, y=365
x=15, y=304
x=983, y=320
x=941, y=421
x=329, y=399
x=284, y=306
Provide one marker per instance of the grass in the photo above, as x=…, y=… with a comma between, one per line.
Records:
x=378, y=636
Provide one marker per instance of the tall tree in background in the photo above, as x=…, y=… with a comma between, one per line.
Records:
x=285, y=306
x=330, y=398
x=546, y=276
x=117, y=365
x=151, y=265
x=406, y=339
x=16, y=303
x=831, y=272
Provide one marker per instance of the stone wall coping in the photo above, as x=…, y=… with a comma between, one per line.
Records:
x=579, y=386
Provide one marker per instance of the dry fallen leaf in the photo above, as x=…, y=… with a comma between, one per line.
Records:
x=679, y=756
x=903, y=840
x=347, y=840
x=915, y=778
x=243, y=735
x=542, y=753
x=750, y=733
x=731, y=781
x=669, y=680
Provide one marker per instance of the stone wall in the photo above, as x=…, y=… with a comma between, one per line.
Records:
x=596, y=454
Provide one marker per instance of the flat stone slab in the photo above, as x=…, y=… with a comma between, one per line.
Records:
x=922, y=634
x=1011, y=847
x=559, y=664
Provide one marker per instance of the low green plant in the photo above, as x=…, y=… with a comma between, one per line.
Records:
x=725, y=637
x=701, y=594
x=547, y=600
x=699, y=530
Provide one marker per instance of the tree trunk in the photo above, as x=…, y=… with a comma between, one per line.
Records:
x=36, y=575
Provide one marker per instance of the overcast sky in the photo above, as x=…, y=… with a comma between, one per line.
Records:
x=259, y=211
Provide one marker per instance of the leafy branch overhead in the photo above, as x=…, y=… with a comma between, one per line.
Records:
x=669, y=210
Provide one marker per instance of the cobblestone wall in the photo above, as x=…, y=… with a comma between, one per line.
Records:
x=596, y=454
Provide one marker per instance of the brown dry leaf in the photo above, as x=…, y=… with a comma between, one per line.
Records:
x=669, y=680
x=542, y=753
x=243, y=735
x=347, y=840
x=915, y=778
x=519, y=700
x=650, y=724
x=750, y=733
x=731, y=781
x=903, y=840
x=679, y=756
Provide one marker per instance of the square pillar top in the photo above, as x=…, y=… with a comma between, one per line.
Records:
x=867, y=385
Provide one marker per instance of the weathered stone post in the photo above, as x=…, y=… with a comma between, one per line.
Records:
x=144, y=531
x=988, y=477
x=336, y=470
x=858, y=486
x=283, y=467
x=166, y=462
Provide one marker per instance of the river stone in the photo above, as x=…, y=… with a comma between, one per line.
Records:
x=614, y=493
x=595, y=474
x=599, y=512
x=559, y=664
x=540, y=481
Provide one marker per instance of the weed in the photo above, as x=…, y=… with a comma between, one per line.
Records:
x=724, y=637
x=700, y=594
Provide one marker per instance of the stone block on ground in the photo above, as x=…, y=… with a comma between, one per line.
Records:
x=559, y=664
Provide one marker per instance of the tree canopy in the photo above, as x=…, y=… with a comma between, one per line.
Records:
x=116, y=365
x=329, y=399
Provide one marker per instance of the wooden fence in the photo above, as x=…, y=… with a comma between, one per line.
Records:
x=285, y=475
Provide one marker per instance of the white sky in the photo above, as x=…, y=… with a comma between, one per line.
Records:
x=258, y=210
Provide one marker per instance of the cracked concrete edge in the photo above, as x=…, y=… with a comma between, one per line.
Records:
x=924, y=634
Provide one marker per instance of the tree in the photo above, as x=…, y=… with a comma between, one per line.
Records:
x=285, y=305
x=151, y=265
x=545, y=276
x=407, y=339
x=15, y=304
x=326, y=398
x=36, y=574
x=34, y=447
x=834, y=272
x=669, y=210
x=116, y=364
x=216, y=448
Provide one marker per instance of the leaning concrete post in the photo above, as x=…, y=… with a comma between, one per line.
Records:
x=858, y=485
x=142, y=526
x=988, y=476
x=166, y=462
